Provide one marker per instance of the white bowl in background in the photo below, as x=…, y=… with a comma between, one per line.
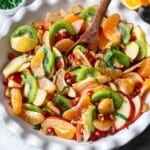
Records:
x=36, y=11
x=12, y=11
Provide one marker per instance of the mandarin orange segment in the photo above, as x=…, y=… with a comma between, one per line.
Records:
x=64, y=44
x=65, y=133
x=147, y=83
x=75, y=112
x=72, y=17
x=125, y=86
x=110, y=26
x=144, y=70
x=16, y=100
x=79, y=135
x=103, y=41
x=37, y=64
x=132, y=4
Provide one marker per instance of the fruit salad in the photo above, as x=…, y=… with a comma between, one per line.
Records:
x=87, y=94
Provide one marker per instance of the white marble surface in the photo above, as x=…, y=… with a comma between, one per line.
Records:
x=8, y=141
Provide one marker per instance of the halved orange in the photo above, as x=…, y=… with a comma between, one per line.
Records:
x=23, y=44
x=132, y=4
x=144, y=2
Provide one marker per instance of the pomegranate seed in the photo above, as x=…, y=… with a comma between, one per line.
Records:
x=74, y=37
x=103, y=134
x=93, y=137
x=92, y=61
x=41, y=27
x=137, y=90
x=90, y=57
x=32, y=52
x=98, y=133
x=65, y=35
x=10, y=104
x=90, y=93
x=58, y=64
x=133, y=38
x=72, y=56
x=107, y=117
x=46, y=114
x=51, y=131
x=134, y=94
x=74, y=102
x=82, y=31
x=67, y=76
x=24, y=99
x=81, y=130
x=5, y=82
x=96, y=104
x=73, y=79
x=121, y=48
x=16, y=77
x=58, y=36
x=139, y=85
x=68, y=81
x=74, y=137
x=112, y=130
x=11, y=56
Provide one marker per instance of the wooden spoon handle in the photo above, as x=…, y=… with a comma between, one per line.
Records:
x=90, y=36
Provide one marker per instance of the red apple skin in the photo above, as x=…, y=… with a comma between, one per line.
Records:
x=60, y=125
x=60, y=118
x=131, y=116
x=136, y=116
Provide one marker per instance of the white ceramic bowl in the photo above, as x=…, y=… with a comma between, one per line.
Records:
x=13, y=10
x=38, y=10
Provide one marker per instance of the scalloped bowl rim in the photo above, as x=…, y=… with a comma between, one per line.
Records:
x=32, y=137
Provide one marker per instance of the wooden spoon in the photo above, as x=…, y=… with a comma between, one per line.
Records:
x=91, y=35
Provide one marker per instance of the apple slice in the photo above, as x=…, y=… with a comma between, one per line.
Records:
x=84, y=85
x=75, y=112
x=124, y=114
x=32, y=117
x=77, y=25
x=46, y=39
x=59, y=56
x=132, y=50
x=13, y=84
x=37, y=64
x=15, y=64
x=47, y=85
x=40, y=97
x=62, y=128
x=138, y=106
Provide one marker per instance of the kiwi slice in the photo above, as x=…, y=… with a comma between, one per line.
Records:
x=87, y=72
